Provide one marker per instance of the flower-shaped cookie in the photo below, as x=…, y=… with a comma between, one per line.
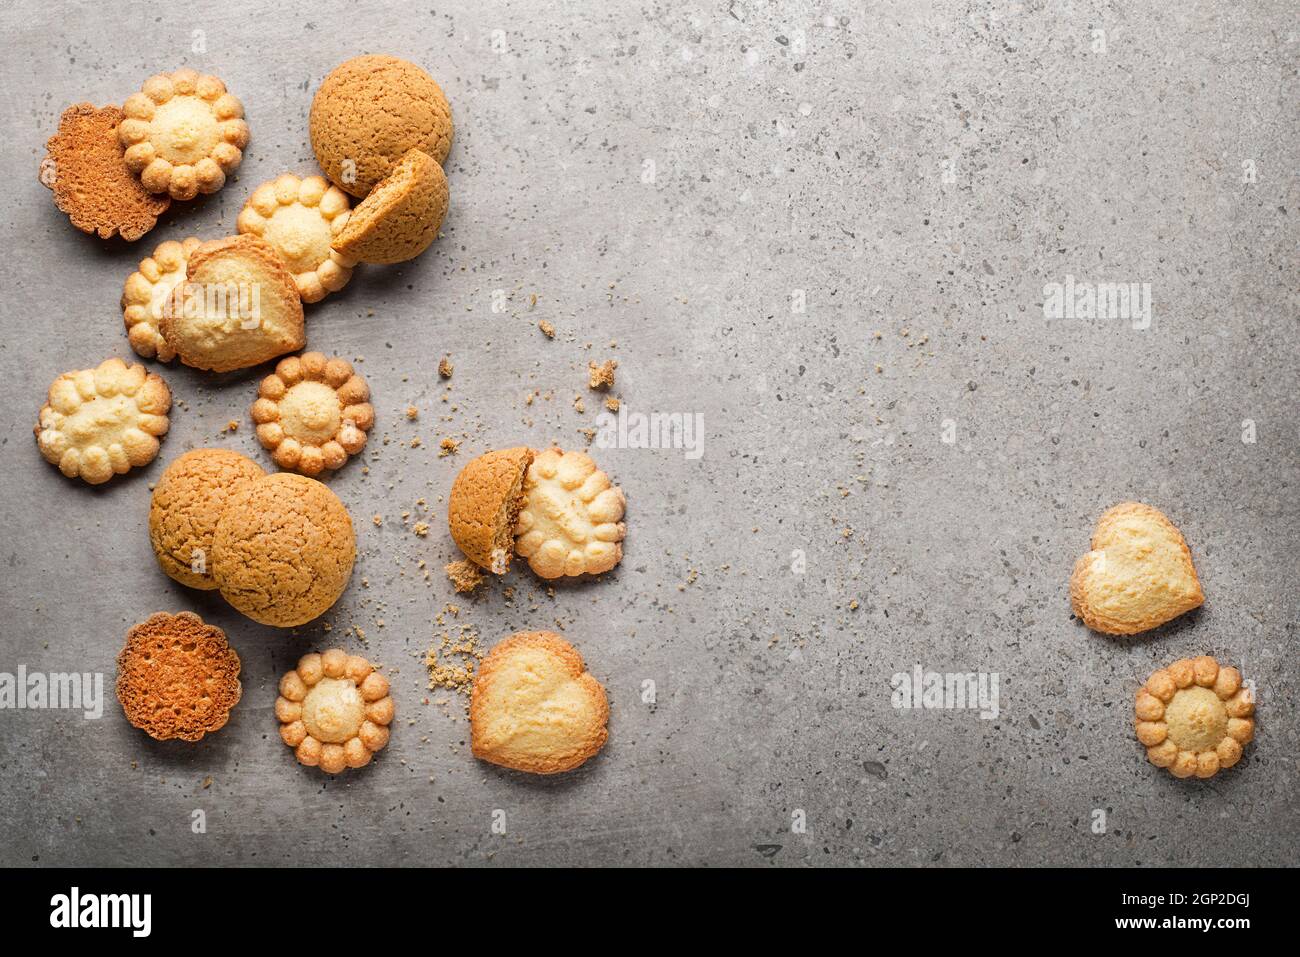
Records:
x=183, y=133
x=300, y=218
x=334, y=711
x=1193, y=717
x=313, y=413
x=571, y=520
x=146, y=292
x=102, y=421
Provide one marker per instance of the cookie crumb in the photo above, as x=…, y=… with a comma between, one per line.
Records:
x=421, y=529
x=445, y=367
x=611, y=403
x=412, y=413
x=448, y=446
x=378, y=520
x=601, y=376
x=548, y=330
x=464, y=575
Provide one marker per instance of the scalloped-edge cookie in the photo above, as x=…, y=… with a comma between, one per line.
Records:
x=238, y=307
x=1138, y=575
x=1194, y=717
x=334, y=710
x=368, y=112
x=571, y=520
x=484, y=502
x=300, y=218
x=401, y=216
x=535, y=707
x=313, y=412
x=101, y=422
x=177, y=677
x=183, y=133
x=145, y=293
x=187, y=502
x=85, y=169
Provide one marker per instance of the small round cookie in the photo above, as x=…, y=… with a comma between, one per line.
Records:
x=146, y=292
x=177, y=677
x=283, y=550
x=571, y=522
x=187, y=502
x=183, y=133
x=238, y=307
x=85, y=169
x=299, y=218
x=400, y=217
x=485, y=499
x=369, y=112
x=102, y=421
x=1194, y=717
x=534, y=706
x=334, y=711
x=312, y=413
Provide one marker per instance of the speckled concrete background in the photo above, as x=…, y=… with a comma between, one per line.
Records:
x=675, y=178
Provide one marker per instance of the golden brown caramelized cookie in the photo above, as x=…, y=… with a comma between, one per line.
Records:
x=102, y=421
x=369, y=112
x=571, y=520
x=85, y=169
x=313, y=412
x=1194, y=717
x=283, y=550
x=187, y=502
x=1138, y=575
x=146, y=292
x=535, y=707
x=299, y=218
x=334, y=710
x=177, y=677
x=485, y=499
x=237, y=307
x=400, y=217
x=183, y=133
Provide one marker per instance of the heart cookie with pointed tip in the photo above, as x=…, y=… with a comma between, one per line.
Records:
x=1138, y=575
x=535, y=707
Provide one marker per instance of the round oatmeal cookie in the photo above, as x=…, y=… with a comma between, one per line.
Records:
x=183, y=133
x=485, y=498
x=334, y=711
x=400, y=217
x=283, y=550
x=146, y=292
x=187, y=502
x=313, y=412
x=177, y=677
x=369, y=112
x=1194, y=717
x=299, y=218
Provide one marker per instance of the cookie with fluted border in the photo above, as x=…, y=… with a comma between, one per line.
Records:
x=190, y=497
x=571, y=520
x=177, y=677
x=101, y=422
x=183, y=132
x=145, y=294
x=368, y=112
x=300, y=218
x=484, y=503
x=85, y=169
x=401, y=216
x=535, y=707
x=1194, y=717
x=238, y=307
x=1138, y=575
x=334, y=710
x=313, y=412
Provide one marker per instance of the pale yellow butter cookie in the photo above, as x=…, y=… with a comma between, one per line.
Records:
x=300, y=218
x=312, y=413
x=334, y=711
x=535, y=707
x=183, y=133
x=1194, y=717
x=103, y=421
x=146, y=292
x=571, y=520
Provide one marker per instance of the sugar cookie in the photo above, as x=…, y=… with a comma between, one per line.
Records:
x=312, y=413
x=299, y=218
x=146, y=292
x=1194, y=717
x=571, y=520
x=334, y=711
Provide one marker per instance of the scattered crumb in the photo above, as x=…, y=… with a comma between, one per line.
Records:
x=415, y=442
x=448, y=446
x=611, y=403
x=601, y=376
x=412, y=412
x=421, y=529
x=445, y=367
x=453, y=663
x=232, y=426
x=465, y=576
x=590, y=434
x=548, y=330
x=378, y=520
x=578, y=405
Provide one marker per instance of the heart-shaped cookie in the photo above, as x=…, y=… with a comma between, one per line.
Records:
x=1138, y=575
x=535, y=708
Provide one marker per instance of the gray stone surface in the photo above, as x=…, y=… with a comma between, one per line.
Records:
x=794, y=147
